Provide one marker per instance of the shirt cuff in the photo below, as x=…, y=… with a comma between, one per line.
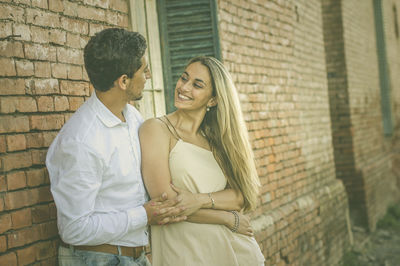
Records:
x=137, y=217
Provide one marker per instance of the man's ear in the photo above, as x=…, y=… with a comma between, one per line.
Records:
x=122, y=82
x=212, y=102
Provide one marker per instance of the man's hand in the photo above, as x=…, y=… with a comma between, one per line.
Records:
x=162, y=211
x=189, y=201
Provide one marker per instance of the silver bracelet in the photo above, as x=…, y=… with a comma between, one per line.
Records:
x=212, y=201
x=237, y=222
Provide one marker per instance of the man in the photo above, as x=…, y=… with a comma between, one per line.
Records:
x=94, y=162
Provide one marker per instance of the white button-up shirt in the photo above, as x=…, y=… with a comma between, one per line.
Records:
x=94, y=168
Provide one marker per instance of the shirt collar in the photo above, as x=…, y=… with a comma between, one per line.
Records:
x=103, y=113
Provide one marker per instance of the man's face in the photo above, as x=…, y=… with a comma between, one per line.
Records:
x=136, y=84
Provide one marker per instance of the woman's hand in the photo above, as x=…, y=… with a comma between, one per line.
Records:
x=244, y=227
x=189, y=201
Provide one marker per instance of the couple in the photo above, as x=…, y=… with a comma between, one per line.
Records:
x=196, y=164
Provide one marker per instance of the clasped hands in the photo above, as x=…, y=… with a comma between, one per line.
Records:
x=162, y=210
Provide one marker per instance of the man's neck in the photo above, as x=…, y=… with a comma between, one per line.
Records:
x=113, y=101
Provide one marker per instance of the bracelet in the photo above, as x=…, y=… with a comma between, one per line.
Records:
x=237, y=221
x=212, y=201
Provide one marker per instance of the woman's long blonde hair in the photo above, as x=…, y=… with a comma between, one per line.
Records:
x=226, y=131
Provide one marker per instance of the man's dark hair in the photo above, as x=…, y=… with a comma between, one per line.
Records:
x=112, y=53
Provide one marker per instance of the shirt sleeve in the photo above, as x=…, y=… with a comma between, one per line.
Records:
x=76, y=173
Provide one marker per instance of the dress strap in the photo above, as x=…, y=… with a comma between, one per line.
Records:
x=169, y=125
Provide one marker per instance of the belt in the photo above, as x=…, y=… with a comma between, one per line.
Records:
x=134, y=252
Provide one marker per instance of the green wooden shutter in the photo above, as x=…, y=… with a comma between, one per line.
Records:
x=187, y=29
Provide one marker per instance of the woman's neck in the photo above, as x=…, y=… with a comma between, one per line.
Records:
x=188, y=121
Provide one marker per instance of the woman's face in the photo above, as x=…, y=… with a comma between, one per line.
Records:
x=194, y=90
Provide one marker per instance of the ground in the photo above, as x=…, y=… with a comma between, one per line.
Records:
x=380, y=248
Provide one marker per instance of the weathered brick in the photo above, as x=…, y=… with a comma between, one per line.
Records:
x=3, y=184
x=70, y=56
x=74, y=72
x=75, y=88
x=16, y=142
x=45, y=103
x=46, y=86
x=75, y=25
x=74, y=40
x=56, y=5
x=34, y=140
x=46, y=122
x=40, y=3
x=48, y=230
x=11, y=124
x=102, y=3
x=5, y=29
x=119, y=5
x=40, y=213
x=42, y=70
x=91, y=13
x=23, y=30
x=12, y=86
x=57, y=36
x=39, y=34
x=45, y=250
x=37, y=51
x=12, y=13
x=3, y=243
x=75, y=103
x=24, y=68
x=16, y=180
x=116, y=18
x=70, y=8
x=21, y=218
x=26, y=255
x=7, y=67
x=22, y=237
x=48, y=137
x=17, y=104
x=16, y=160
x=35, y=177
x=11, y=49
x=38, y=157
x=59, y=70
x=5, y=222
x=8, y=259
x=42, y=18
x=61, y=103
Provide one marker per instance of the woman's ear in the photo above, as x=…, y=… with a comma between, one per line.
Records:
x=212, y=102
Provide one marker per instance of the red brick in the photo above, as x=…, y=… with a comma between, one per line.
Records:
x=12, y=86
x=11, y=49
x=74, y=72
x=24, y=68
x=53, y=211
x=40, y=213
x=3, y=244
x=38, y=51
x=70, y=56
x=16, y=180
x=45, y=104
x=7, y=67
x=23, y=237
x=42, y=18
x=61, y=103
x=17, y=104
x=16, y=142
x=21, y=218
x=41, y=195
x=75, y=103
x=26, y=255
x=2, y=204
x=45, y=250
x=35, y=177
x=3, y=183
x=16, y=160
x=56, y=5
x=46, y=86
x=5, y=222
x=42, y=69
x=76, y=88
x=48, y=230
x=59, y=71
x=75, y=25
x=8, y=259
x=46, y=122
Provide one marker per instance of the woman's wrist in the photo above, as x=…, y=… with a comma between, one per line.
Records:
x=206, y=201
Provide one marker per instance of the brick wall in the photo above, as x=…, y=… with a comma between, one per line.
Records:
x=42, y=82
x=275, y=50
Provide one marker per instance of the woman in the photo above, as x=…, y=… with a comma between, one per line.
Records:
x=203, y=150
